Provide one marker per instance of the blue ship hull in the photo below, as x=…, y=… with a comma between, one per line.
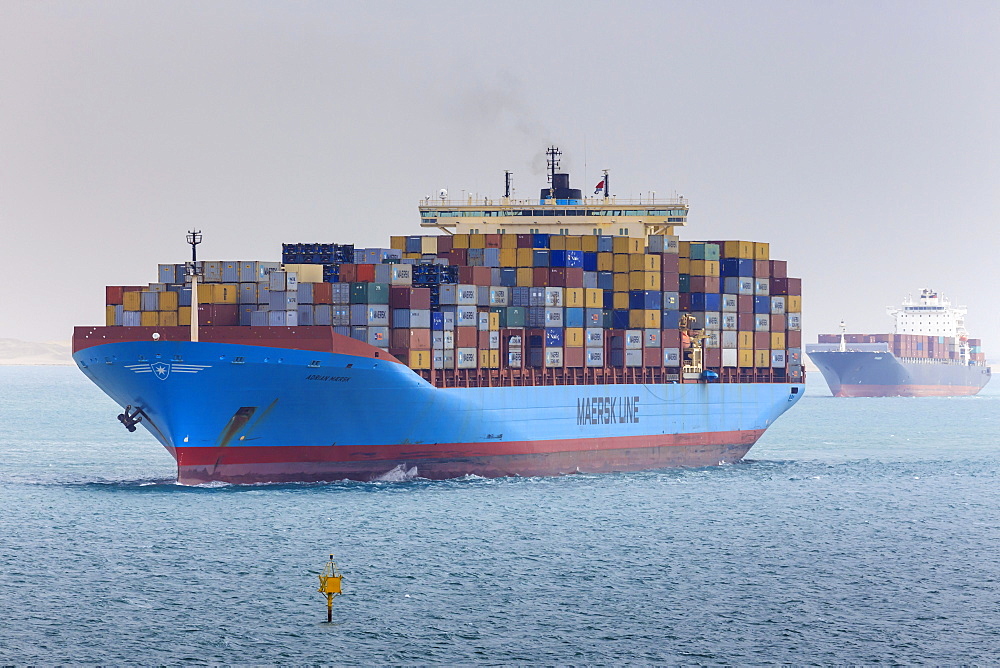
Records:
x=882, y=374
x=244, y=414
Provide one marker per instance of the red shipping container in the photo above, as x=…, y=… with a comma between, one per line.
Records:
x=762, y=340
x=573, y=357
x=474, y=275
x=466, y=337
x=445, y=243
x=525, y=241
x=670, y=282
x=761, y=269
x=114, y=294
x=778, y=322
x=557, y=277
x=458, y=256
x=218, y=315
x=348, y=273
x=483, y=342
x=322, y=293
x=745, y=322
x=669, y=263
x=793, y=339
x=744, y=304
x=779, y=269
x=671, y=338
x=540, y=277
x=574, y=277
x=493, y=241
x=704, y=284
x=713, y=357
x=652, y=357
x=684, y=301
x=786, y=286
x=366, y=273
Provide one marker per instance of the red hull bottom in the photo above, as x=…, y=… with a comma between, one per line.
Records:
x=907, y=391
x=247, y=465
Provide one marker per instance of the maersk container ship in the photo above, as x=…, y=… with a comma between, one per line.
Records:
x=566, y=334
x=929, y=354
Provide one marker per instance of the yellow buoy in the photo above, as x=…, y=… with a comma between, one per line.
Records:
x=329, y=584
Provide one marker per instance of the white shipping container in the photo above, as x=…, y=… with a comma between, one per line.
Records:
x=466, y=358
x=401, y=274
x=672, y=357
x=483, y=321
x=730, y=340
x=553, y=358
x=794, y=322
x=729, y=322
x=633, y=341
x=514, y=359
x=553, y=297
x=494, y=340
x=595, y=337
x=633, y=358
x=713, y=339
x=466, y=295
x=761, y=287
x=730, y=357
x=595, y=357
x=466, y=316
x=777, y=305
x=378, y=337
x=449, y=339
x=778, y=359
x=499, y=296
x=553, y=316
x=762, y=322
x=514, y=341
x=651, y=338
x=730, y=303
x=713, y=321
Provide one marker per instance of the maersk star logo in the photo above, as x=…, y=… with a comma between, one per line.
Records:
x=163, y=370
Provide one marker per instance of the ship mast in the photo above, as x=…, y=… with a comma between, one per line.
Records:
x=843, y=337
x=553, y=162
x=194, y=238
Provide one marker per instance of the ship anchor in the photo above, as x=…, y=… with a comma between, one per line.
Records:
x=131, y=419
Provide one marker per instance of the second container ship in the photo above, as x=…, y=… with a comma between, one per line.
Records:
x=566, y=334
x=929, y=354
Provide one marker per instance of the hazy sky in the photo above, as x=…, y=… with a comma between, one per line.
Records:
x=861, y=139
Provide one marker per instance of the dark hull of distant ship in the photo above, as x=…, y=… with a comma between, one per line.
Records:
x=882, y=374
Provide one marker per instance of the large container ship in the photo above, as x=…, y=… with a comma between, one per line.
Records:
x=929, y=354
x=567, y=334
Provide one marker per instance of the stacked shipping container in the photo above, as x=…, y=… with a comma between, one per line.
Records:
x=914, y=346
x=503, y=301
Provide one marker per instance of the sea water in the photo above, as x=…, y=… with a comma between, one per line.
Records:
x=858, y=531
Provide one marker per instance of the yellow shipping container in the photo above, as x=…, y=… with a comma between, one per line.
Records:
x=573, y=337
x=477, y=241
x=643, y=319
x=620, y=282
x=557, y=242
x=419, y=359
x=644, y=280
x=574, y=242
x=762, y=251
x=605, y=262
x=703, y=267
x=508, y=241
x=793, y=304
x=525, y=277
x=304, y=273
x=622, y=263
x=412, y=256
x=184, y=316
x=525, y=257
x=429, y=245
x=745, y=358
x=398, y=243
x=683, y=265
x=460, y=241
x=619, y=300
x=744, y=340
x=132, y=301
x=574, y=297
x=762, y=358
x=489, y=359
x=588, y=243
x=629, y=245
x=150, y=319
x=228, y=293
x=168, y=301
x=494, y=322
x=109, y=315
x=508, y=256
x=168, y=319
x=777, y=340
x=593, y=298
x=684, y=249
x=738, y=249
